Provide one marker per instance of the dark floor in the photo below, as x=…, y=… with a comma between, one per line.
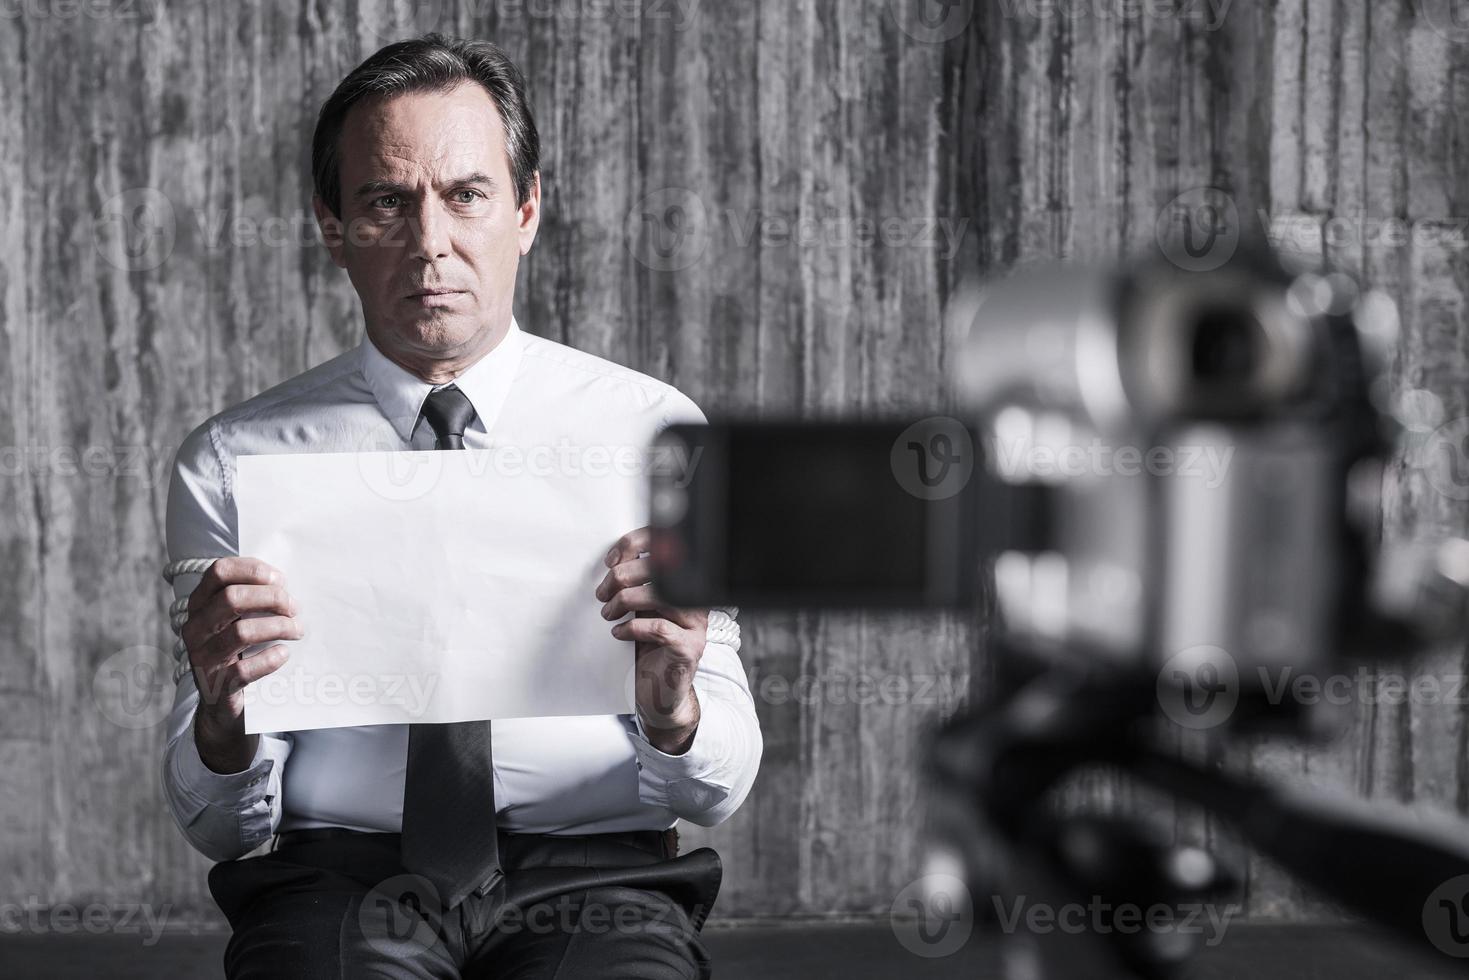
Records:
x=864, y=952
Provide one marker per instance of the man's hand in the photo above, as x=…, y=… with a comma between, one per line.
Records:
x=669, y=644
x=216, y=633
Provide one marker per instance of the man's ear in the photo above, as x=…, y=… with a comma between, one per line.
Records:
x=331, y=230
x=530, y=215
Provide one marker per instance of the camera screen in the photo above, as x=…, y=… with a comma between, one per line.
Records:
x=816, y=510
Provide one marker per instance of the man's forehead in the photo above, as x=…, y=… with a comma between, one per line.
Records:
x=444, y=131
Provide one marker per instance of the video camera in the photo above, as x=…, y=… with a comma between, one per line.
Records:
x=1172, y=478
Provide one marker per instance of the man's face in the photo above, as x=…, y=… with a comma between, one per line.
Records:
x=432, y=236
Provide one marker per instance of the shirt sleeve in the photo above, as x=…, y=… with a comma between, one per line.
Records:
x=708, y=781
x=224, y=816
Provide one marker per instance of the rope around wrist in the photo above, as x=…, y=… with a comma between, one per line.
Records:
x=178, y=610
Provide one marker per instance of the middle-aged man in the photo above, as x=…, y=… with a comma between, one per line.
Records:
x=401, y=850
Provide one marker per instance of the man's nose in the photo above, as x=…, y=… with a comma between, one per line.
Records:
x=428, y=232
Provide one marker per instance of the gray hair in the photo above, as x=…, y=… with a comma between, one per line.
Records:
x=431, y=63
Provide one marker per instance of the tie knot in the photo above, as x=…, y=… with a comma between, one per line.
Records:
x=449, y=411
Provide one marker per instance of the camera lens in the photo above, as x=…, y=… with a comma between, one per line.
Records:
x=1226, y=346
x=1220, y=347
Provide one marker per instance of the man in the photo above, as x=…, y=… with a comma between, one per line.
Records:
x=403, y=850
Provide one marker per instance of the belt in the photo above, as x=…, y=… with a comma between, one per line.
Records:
x=664, y=841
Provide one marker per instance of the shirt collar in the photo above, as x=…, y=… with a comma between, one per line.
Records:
x=400, y=394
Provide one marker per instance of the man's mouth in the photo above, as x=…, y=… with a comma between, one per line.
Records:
x=429, y=299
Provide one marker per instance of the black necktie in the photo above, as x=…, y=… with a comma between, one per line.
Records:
x=449, y=832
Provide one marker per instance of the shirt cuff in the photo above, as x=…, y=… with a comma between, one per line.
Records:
x=230, y=791
x=705, y=755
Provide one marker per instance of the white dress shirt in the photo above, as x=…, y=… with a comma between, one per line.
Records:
x=566, y=775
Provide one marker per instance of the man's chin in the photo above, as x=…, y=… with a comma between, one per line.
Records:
x=434, y=330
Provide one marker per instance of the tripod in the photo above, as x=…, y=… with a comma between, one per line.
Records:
x=993, y=771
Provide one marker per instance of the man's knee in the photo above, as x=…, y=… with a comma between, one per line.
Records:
x=656, y=938
x=291, y=920
x=624, y=933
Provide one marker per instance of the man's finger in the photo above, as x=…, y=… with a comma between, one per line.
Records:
x=657, y=631
x=231, y=571
x=624, y=575
x=221, y=680
x=236, y=674
x=628, y=600
x=628, y=546
x=230, y=603
x=267, y=661
x=245, y=633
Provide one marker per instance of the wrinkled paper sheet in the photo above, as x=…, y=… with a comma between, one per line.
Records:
x=433, y=588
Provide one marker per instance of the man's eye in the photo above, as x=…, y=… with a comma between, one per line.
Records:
x=387, y=201
x=466, y=195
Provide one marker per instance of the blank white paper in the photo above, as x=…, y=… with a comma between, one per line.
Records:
x=434, y=587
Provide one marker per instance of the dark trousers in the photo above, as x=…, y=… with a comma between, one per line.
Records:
x=340, y=905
